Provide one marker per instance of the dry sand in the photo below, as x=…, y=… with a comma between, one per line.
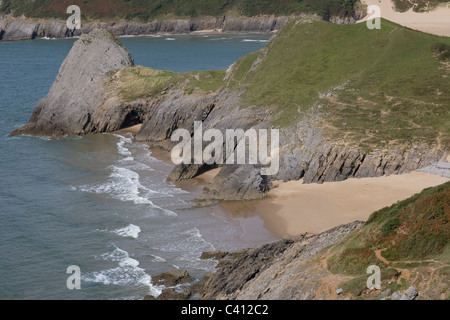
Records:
x=207, y=31
x=133, y=130
x=294, y=208
x=436, y=21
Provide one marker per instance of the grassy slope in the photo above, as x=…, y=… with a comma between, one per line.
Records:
x=148, y=9
x=387, y=81
x=377, y=88
x=411, y=235
x=138, y=82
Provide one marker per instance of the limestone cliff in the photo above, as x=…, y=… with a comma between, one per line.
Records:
x=24, y=29
x=77, y=96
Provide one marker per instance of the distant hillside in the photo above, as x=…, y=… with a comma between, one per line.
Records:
x=145, y=10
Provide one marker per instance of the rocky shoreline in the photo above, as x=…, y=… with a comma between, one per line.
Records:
x=21, y=28
x=260, y=273
x=12, y=29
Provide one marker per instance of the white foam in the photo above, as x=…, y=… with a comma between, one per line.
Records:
x=130, y=231
x=255, y=40
x=188, y=250
x=121, y=145
x=124, y=184
x=196, y=234
x=157, y=258
x=139, y=166
x=126, y=273
x=170, y=39
x=219, y=39
x=44, y=138
x=140, y=36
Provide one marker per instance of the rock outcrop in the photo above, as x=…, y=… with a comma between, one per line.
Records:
x=274, y=271
x=77, y=95
x=172, y=278
x=237, y=182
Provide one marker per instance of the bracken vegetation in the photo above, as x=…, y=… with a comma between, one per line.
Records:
x=413, y=234
x=145, y=10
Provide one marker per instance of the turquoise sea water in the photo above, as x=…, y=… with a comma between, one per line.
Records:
x=101, y=201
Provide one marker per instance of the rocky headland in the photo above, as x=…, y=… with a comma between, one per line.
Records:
x=86, y=98
x=92, y=95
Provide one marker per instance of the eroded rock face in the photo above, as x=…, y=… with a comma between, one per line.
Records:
x=237, y=182
x=172, y=278
x=78, y=92
x=233, y=274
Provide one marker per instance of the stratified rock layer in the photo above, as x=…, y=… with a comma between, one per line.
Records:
x=74, y=100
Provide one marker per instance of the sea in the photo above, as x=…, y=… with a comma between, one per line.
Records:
x=101, y=202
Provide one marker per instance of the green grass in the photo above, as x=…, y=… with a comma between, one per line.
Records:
x=415, y=229
x=386, y=85
x=355, y=286
x=442, y=51
x=145, y=10
x=205, y=80
x=402, y=286
x=353, y=261
x=390, y=227
x=358, y=284
x=411, y=265
x=445, y=271
x=139, y=82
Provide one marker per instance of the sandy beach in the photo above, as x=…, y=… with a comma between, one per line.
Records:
x=133, y=130
x=435, y=22
x=294, y=208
